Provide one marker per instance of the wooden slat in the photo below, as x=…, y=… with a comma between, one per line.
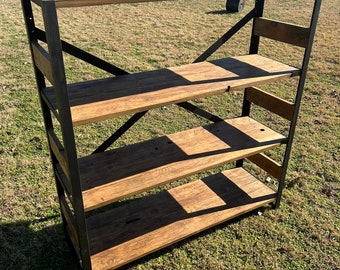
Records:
x=49, y=104
x=70, y=220
x=114, y=175
x=267, y=164
x=270, y=102
x=144, y=226
x=58, y=152
x=102, y=99
x=42, y=60
x=288, y=33
x=57, y=149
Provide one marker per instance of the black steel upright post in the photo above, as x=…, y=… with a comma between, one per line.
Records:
x=298, y=97
x=41, y=84
x=253, y=49
x=255, y=40
x=60, y=88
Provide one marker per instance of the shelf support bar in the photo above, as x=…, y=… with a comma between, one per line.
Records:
x=127, y=125
x=198, y=111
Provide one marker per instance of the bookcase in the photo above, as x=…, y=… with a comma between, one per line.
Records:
x=105, y=237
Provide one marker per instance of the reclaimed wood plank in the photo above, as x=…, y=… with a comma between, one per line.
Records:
x=280, y=31
x=42, y=61
x=270, y=102
x=113, y=175
x=58, y=151
x=139, y=228
x=106, y=98
x=267, y=164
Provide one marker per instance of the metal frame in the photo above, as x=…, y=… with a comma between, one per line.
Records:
x=57, y=46
x=298, y=97
x=69, y=148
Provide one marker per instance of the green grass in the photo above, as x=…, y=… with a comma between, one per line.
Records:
x=304, y=233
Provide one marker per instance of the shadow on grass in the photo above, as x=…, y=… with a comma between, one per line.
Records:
x=34, y=245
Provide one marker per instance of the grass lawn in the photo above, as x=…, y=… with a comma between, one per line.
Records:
x=304, y=233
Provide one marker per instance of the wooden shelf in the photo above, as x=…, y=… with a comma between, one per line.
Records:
x=102, y=99
x=143, y=226
x=117, y=174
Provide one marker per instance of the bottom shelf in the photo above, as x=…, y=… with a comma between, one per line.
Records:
x=134, y=230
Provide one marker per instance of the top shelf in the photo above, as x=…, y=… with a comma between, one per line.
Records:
x=98, y=100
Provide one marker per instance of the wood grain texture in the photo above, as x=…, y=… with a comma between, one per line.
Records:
x=98, y=100
x=42, y=61
x=288, y=33
x=267, y=164
x=57, y=150
x=117, y=174
x=144, y=226
x=270, y=102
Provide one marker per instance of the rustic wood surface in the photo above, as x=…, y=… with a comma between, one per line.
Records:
x=116, y=174
x=288, y=33
x=267, y=164
x=144, y=226
x=98, y=100
x=270, y=102
x=42, y=60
